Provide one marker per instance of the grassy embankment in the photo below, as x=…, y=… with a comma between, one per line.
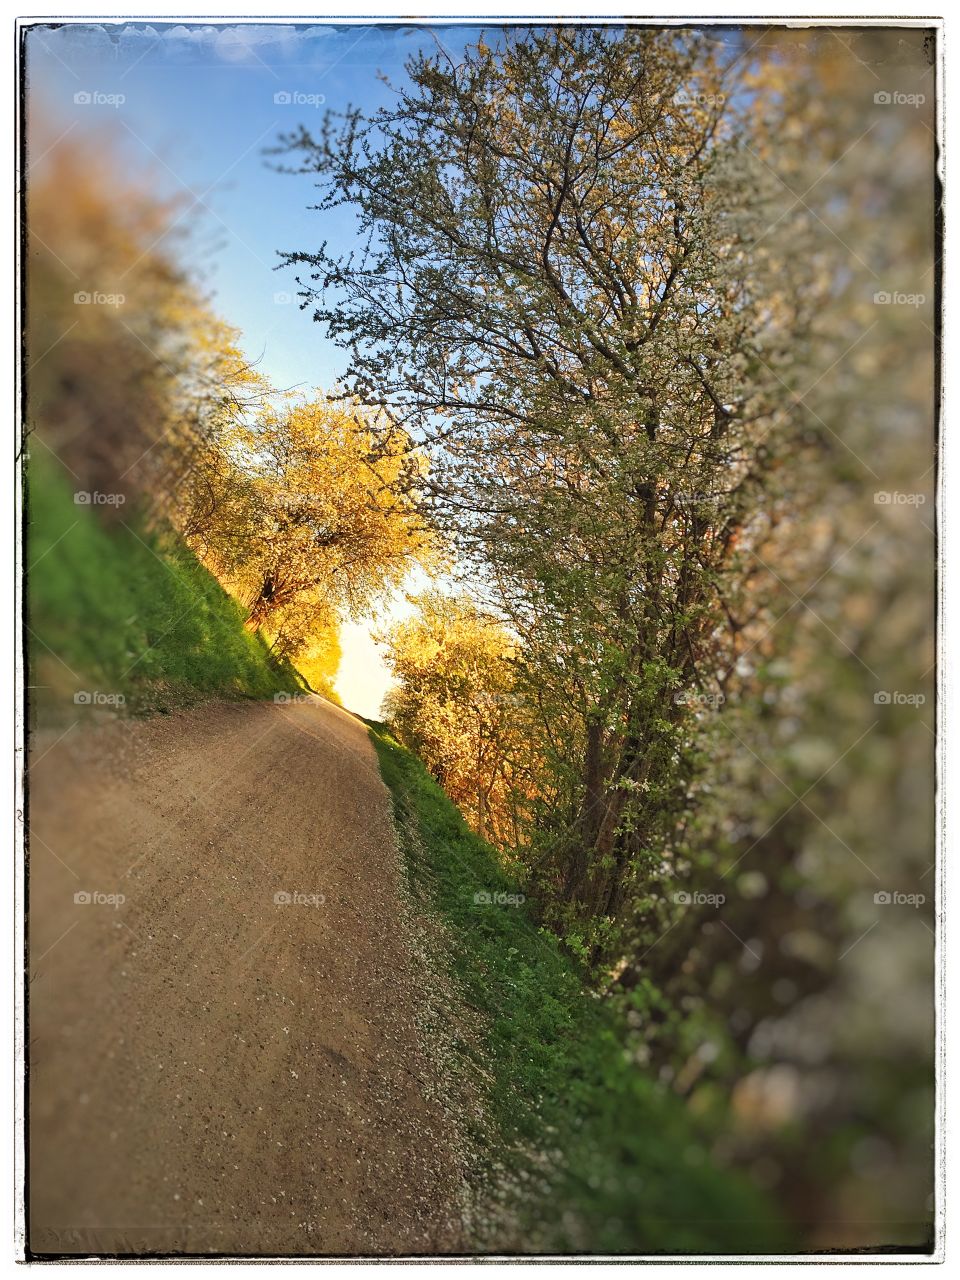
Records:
x=118, y=609
x=590, y=1153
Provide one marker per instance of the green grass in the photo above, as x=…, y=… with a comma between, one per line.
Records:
x=118, y=609
x=591, y=1154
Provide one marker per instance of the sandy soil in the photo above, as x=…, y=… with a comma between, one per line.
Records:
x=213, y=1070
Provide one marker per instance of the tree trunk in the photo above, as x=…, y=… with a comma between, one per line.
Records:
x=585, y=834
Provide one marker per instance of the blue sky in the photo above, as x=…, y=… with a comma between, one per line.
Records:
x=196, y=105
x=199, y=105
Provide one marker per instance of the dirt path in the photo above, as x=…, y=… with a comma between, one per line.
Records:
x=213, y=1070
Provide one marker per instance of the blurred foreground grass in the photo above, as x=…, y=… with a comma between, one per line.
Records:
x=117, y=611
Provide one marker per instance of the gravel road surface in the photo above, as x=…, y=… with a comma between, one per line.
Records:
x=224, y=995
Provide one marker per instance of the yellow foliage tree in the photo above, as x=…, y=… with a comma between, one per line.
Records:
x=318, y=659
x=455, y=704
x=305, y=515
